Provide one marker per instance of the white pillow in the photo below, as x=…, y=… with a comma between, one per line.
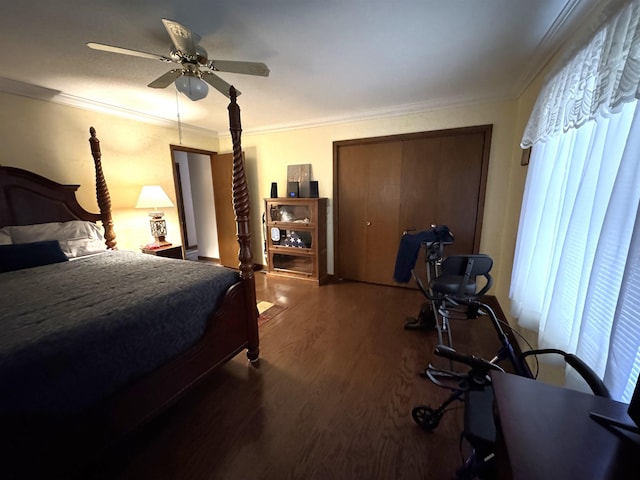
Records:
x=77, y=238
x=5, y=236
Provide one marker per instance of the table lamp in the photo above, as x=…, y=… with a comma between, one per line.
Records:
x=154, y=197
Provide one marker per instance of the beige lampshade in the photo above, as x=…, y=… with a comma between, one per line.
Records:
x=153, y=196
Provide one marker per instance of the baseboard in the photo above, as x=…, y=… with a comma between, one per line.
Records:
x=208, y=259
x=256, y=266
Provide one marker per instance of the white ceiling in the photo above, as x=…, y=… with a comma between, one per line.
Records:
x=330, y=60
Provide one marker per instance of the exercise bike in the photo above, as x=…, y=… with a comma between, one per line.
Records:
x=433, y=243
x=474, y=379
x=474, y=389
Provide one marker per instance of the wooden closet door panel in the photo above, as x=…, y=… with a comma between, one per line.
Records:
x=369, y=195
x=382, y=216
x=352, y=175
x=421, y=163
x=460, y=190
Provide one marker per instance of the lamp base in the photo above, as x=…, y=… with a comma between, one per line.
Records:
x=158, y=230
x=159, y=242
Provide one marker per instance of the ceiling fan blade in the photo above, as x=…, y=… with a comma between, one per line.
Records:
x=182, y=38
x=217, y=83
x=127, y=51
x=248, y=68
x=167, y=79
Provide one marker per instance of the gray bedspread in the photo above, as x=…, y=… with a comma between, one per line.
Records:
x=75, y=332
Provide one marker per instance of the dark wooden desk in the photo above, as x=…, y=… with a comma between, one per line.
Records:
x=545, y=432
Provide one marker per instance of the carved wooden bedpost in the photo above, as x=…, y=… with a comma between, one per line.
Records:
x=102, y=192
x=241, y=208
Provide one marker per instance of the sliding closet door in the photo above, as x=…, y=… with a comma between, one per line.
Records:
x=386, y=185
x=369, y=190
x=443, y=184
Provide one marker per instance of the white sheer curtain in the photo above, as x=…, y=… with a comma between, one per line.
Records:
x=575, y=276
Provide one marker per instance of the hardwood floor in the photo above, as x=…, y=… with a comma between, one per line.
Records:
x=331, y=398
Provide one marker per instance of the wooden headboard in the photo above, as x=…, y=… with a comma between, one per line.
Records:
x=27, y=198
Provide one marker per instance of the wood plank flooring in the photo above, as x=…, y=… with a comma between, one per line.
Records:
x=331, y=398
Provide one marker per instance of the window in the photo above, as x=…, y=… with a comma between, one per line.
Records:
x=576, y=274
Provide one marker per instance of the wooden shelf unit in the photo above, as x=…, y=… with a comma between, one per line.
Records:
x=297, y=238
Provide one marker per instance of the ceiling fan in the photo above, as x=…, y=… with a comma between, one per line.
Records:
x=195, y=68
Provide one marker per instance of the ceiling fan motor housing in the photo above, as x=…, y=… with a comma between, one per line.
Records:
x=201, y=56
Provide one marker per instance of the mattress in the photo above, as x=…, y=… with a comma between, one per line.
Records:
x=73, y=333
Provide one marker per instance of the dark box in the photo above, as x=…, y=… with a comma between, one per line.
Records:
x=293, y=189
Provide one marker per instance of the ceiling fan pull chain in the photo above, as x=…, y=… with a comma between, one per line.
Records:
x=178, y=115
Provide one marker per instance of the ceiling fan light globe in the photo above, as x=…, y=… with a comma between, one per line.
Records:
x=192, y=87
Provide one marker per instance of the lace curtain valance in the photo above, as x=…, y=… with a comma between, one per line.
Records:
x=598, y=79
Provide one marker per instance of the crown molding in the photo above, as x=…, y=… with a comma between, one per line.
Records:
x=576, y=18
x=378, y=114
x=14, y=87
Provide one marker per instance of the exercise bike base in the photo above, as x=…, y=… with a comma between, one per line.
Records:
x=417, y=324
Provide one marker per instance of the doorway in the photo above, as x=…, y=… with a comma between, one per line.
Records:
x=203, y=181
x=196, y=206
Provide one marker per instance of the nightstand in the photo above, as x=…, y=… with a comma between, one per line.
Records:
x=171, y=251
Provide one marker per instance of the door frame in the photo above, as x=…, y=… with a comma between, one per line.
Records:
x=178, y=187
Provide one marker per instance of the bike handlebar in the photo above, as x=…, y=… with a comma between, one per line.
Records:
x=474, y=362
x=507, y=350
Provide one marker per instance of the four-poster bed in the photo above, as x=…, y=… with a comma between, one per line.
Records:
x=56, y=375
